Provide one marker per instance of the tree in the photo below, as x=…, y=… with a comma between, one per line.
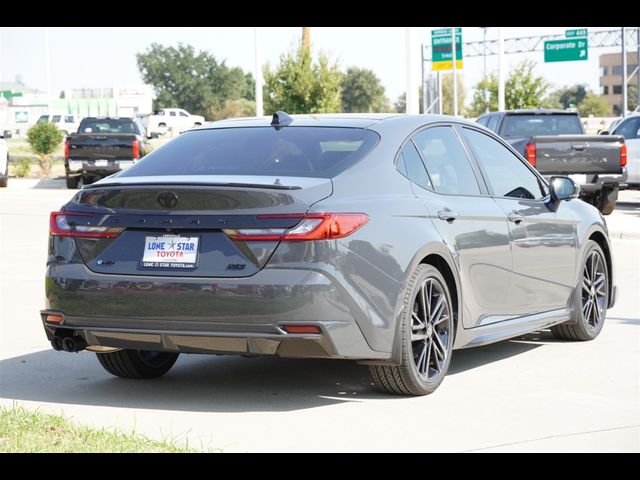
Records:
x=400, y=105
x=297, y=85
x=523, y=89
x=593, y=104
x=363, y=92
x=447, y=93
x=192, y=80
x=43, y=138
x=632, y=97
x=240, y=107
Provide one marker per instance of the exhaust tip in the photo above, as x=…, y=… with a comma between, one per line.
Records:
x=56, y=343
x=73, y=344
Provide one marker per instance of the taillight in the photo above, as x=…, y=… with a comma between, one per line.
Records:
x=66, y=149
x=301, y=329
x=136, y=148
x=623, y=155
x=60, y=226
x=531, y=154
x=313, y=226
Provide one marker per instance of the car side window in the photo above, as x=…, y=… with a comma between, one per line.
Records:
x=56, y=118
x=410, y=165
x=506, y=173
x=446, y=161
x=182, y=114
x=629, y=128
x=173, y=114
x=493, y=123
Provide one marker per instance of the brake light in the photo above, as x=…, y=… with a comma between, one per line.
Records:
x=313, y=226
x=61, y=227
x=623, y=155
x=66, y=149
x=531, y=154
x=136, y=148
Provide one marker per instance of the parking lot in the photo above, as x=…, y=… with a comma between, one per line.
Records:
x=532, y=393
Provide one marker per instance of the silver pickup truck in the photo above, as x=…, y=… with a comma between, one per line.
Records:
x=555, y=142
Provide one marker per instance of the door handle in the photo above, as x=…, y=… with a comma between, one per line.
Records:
x=448, y=215
x=578, y=148
x=515, y=217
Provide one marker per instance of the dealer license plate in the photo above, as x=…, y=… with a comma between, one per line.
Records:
x=170, y=251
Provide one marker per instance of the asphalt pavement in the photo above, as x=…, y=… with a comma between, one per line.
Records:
x=533, y=393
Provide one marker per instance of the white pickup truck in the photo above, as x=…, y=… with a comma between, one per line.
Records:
x=175, y=119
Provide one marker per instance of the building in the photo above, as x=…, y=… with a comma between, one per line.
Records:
x=23, y=105
x=611, y=78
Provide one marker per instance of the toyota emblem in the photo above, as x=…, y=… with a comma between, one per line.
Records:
x=168, y=199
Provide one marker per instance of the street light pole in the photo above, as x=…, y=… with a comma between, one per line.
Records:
x=484, y=68
x=48, y=66
x=259, y=102
x=501, y=105
x=454, y=61
x=624, y=75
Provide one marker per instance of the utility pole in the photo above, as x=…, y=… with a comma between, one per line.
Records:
x=501, y=105
x=48, y=66
x=453, y=64
x=306, y=37
x=259, y=103
x=423, y=83
x=624, y=75
x=484, y=68
x=638, y=65
x=412, y=95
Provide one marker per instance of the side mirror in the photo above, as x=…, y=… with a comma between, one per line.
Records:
x=562, y=188
x=604, y=132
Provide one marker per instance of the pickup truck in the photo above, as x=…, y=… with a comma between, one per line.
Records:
x=176, y=119
x=555, y=143
x=102, y=146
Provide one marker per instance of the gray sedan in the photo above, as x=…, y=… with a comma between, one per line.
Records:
x=388, y=239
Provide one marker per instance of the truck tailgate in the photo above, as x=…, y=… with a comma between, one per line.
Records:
x=101, y=146
x=565, y=154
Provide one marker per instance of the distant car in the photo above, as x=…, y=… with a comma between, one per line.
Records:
x=176, y=119
x=387, y=239
x=629, y=128
x=66, y=123
x=4, y=163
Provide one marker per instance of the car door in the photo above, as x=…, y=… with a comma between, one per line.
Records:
x=470, y=223
x=630, y=130
x=543, y=242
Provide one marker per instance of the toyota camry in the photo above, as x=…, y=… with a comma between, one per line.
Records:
x=392, y=240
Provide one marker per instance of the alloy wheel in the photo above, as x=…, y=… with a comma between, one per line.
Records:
x=594, y=290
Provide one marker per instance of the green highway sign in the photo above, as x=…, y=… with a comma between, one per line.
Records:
x=580, y=32
x=441, y=55
x=444, y=31
x=566, y=50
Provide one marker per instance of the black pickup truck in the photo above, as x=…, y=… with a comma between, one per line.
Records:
x=101, y=147
x=555, y=142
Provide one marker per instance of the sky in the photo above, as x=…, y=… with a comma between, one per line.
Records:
x=95, y=57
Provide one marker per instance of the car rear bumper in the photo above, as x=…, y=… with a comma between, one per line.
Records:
x=89, y=166
x=207, y=315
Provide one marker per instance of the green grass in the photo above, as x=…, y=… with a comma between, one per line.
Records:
x=24, y=431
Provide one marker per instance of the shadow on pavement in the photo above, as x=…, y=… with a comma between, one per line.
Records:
x=58, y=183
x=206, y=383
x=630, y=321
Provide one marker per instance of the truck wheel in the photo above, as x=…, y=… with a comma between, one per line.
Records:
x=607, y=200
x=72, y=182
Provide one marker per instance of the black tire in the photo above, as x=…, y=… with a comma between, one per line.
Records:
x=406, y=378
x=72, y=182
x=137, y=363
x=588, y=322
x=4, y=181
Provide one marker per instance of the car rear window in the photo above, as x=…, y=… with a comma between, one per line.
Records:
x=530, y=125
x=108, y=125
x=290, y=151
